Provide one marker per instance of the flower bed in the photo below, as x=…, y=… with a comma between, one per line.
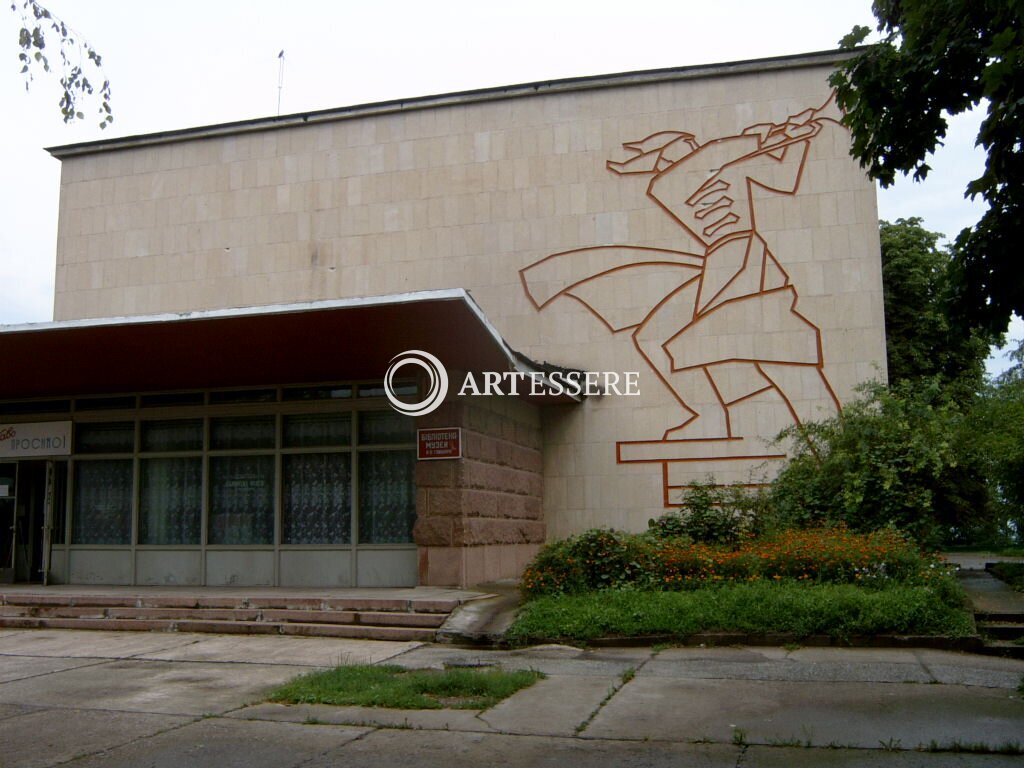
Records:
x=603, y=559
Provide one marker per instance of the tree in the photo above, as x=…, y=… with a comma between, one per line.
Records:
x=38, y=27
x=939, y=58
x=922, y=339
x=998, y=428
x=904, y=456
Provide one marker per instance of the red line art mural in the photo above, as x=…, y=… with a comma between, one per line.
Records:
x=722, y=326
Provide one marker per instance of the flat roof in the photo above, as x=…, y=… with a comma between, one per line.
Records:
x=566, y=85
x=318, y=341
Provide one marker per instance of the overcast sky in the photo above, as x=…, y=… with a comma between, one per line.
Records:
x=197, y=62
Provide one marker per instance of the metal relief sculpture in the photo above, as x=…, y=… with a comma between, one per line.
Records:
x=724, y=327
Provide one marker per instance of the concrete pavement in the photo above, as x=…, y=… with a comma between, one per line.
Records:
x=142, y=699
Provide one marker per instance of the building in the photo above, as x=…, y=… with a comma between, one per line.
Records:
x=208, y=406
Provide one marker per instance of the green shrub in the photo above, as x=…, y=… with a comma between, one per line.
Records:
x=670, y=525
x=997, y=431
x=596, y=559
x=712, y=514
x=900, y=457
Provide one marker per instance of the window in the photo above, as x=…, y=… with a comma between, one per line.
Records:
x=258, y=479
x=170, y=501
x=387, y=497
x=28, y=407
x=317, y=498
x=241, y=500
x=106, y=437
x=235, y=396
x=171, y=488
x=102, y=511
x=384, y=427
x=105, y=403
x=242, y=433
x=165, y=399
x=318, y=430
x=172, y=435
x=103, y=502
x=292, y=394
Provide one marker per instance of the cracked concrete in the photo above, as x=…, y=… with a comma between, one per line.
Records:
x=128, y=699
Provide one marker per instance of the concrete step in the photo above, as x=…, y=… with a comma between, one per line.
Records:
x=1000, y=616
x=378, y=618
x=356, y=616
x=1000, y=630
x=360, y=631
x=282, y=602
x=311, y=616
x=1005, y=648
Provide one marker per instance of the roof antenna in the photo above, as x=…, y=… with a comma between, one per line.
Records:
x=280, y=80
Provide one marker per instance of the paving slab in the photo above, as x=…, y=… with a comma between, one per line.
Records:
x=15, y=710
x=632, y=655
x=989, y=594
x=566, y=660
x=220, y=743
x=977, y=560
x=23, y=667
x=427, y=719
x=679, y=664
x=71, y=643
x=787, y=757
x=985, y=678
x=551, y=660
x=867, y=655
x=972, y=660
x=727, y=653
x=848, y=714
x=52, y=736
x=151, y=686
x=293, y=651
x=556, y=706
x=438, y=749
x=427, y=656
x=970, y=669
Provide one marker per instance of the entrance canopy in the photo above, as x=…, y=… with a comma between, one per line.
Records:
x=285, y=344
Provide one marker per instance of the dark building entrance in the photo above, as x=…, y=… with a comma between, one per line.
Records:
x=32, y=501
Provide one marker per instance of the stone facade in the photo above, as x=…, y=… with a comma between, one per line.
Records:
x=480, y=518
x=566, y=210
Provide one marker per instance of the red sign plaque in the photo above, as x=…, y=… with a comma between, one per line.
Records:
x=441, y=443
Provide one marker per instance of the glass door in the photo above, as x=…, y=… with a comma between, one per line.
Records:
x=8, y=520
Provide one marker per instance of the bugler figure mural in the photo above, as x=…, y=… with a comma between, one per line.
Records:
x=727, y=327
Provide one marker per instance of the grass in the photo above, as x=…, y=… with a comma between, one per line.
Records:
x=1002, y=551
x=837, y=610
x=1011, y=573
x=400, y=688
x=975, y=747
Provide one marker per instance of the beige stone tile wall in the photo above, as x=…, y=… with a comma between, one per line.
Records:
x=467, y=196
